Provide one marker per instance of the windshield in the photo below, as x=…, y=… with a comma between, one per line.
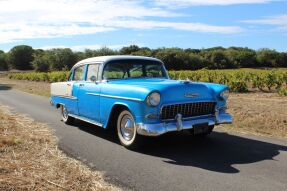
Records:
x=122, y=69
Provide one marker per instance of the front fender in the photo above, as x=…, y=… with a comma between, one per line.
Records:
x=107, y=105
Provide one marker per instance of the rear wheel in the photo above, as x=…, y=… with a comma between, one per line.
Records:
x=65, y=115
x=126, y=130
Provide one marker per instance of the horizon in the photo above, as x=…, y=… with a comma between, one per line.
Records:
x=195, y=24
x=119, y=48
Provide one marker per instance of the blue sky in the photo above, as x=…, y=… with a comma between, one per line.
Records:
x=153, y=23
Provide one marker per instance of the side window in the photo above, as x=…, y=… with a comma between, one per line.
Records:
x=79, y=73
x=92, y=71
x=70, y=78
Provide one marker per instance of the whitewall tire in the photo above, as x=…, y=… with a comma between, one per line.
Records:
x=126, y=130
x=65, y=115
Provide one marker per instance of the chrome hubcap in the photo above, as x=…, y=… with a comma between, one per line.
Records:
x=64, y=112
x=127, y=127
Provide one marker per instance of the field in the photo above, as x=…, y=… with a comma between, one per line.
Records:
x=241, y=80
x=28, y=149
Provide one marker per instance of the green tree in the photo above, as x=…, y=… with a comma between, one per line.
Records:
x=105, y=51
x=195, y=61
x=129, y=49
x=215, y=58
x=3, y=61
x=61, y=59
x=268, y=58
x=241, y=57
x=21, y=57
x=143, y=52
x=41, y=61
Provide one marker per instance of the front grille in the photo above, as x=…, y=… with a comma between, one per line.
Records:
x=187, y=110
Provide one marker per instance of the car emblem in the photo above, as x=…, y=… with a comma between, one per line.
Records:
x=191, y=94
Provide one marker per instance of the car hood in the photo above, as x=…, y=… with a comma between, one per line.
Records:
x=174, y=90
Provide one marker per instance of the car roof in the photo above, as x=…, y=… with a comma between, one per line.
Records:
x=102, y=59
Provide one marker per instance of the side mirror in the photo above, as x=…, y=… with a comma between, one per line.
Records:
x=93, y=78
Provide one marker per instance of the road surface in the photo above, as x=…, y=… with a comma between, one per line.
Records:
x=172, y=162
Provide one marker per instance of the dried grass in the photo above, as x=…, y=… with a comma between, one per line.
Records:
x=31, y=160
x=258, y=113
x=38, y=88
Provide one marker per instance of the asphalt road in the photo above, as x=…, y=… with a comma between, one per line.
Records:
x=172, y=162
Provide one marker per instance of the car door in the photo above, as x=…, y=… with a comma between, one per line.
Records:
x=89, y=94
x=76, y=84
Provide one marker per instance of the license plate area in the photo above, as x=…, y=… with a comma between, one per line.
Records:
x=200, y=128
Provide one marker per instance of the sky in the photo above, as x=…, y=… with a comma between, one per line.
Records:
x=92, y=24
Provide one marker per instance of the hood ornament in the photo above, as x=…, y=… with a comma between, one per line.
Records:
x=187, y=81
x=191, y=94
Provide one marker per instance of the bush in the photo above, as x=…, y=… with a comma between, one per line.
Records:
x=283, y=91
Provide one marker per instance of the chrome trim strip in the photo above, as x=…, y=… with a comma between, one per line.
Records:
x=119, y=97
x=115, y=97
x=86, y=120
x=68, y=97
x=175, y=103
x=189, y=118
x=93, y=94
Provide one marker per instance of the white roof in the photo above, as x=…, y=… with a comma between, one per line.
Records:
x=110, y=58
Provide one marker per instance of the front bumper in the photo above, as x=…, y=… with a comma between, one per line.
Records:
x=180, y=124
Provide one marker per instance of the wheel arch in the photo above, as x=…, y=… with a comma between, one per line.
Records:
x=115, y=111
x=58, y=105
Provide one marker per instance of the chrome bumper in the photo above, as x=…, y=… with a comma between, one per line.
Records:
x=179, y=124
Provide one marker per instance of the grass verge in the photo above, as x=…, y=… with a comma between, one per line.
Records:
x=258, y=113
x=37, y=88
x=31, y=160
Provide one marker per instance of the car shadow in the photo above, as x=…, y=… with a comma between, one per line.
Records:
x=5, y=87
x=217, y=152
x=106, y=134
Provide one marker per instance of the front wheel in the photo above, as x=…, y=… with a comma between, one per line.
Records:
x=65, y=115
x=126, y=130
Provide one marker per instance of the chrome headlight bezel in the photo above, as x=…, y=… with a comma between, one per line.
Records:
x=153, y=99
x=224, y=94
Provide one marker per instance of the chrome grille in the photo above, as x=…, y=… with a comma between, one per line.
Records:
x=187, y=110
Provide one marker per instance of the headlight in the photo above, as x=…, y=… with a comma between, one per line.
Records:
x=224, y=94
x=153, y=99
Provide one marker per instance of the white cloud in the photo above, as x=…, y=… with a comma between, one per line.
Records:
x=83, y=47
x=186, y=3
x=197, y=27
x=279, y=21
x=29, y=19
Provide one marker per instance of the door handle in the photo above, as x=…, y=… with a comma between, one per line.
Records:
x=82, y=84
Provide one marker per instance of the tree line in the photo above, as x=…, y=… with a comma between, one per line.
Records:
x=24, y=57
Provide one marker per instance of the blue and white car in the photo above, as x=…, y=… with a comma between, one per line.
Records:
x=135, y=96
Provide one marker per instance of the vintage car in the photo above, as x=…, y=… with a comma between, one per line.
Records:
x=135, y=96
